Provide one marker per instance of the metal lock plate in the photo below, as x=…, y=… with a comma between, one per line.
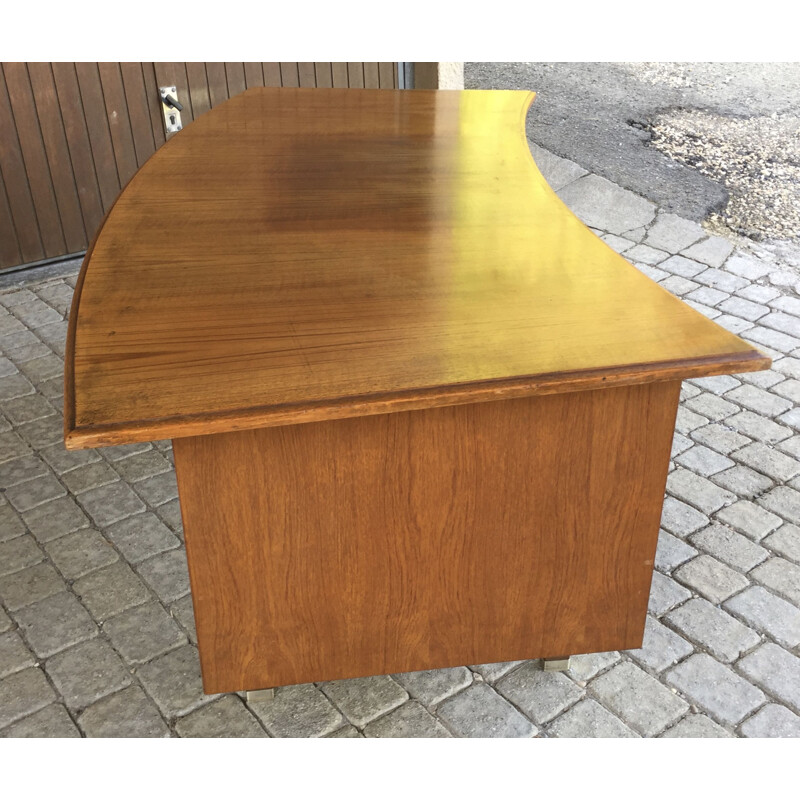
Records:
x=171, y=109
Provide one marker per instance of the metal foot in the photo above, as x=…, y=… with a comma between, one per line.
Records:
x=556, y=664
x=261, y=696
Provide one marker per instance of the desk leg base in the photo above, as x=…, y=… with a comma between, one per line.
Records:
x=261, y=696
x=556, y=664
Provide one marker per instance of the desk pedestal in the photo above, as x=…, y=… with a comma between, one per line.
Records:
x=468, y=534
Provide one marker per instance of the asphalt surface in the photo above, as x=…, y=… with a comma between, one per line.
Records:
x=717, y=142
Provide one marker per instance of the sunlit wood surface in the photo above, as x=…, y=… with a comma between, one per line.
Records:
x=307, y=254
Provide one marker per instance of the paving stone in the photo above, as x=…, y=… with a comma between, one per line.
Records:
x=227, y=717
x=781, y=576
x=758, y=293
x=749, y=519
x=638, y=699
x=772, y=339
x=680, y=518
x=696, y=726
x=35, y=313
x=142, y=536
x=720, y=280
x=788, y=366
x=791, y=418
x=585, y=666
x=679, y=286
x=52, y=722
x=142, y=465
x=143, y=632
x=5, y=621
x=111, y=590
x=733, y=324
x=713, y=629
x=673, y=233
x=346, y=732
x=704, y=461
x=42, y=432
x=785, y=323
x=776, y=671
x=712, y=251
x=433, y=686
x=602, y=204
x=680, y=444
x=716, y=384
x=790, y=446
x=173, y=681
x=128, y=714
x=43, y=368
x=363, y=699
x=769, y=614
x=80, y=553
x=785, y=542
x=56, y=518
x=708, y=296
x=167, y=574
x=588, y=719
x=409, y=721
x=687, y=421
x=665, y=594
x=557, y=171
x=768, y=461
x=772, y=722
x=698, y=491
x=109, y=504
x=158, y=489
x=89, y=476
x=646, y=255
x=30, y=585
x=479, y=712
x=617, y=243
x=14, y=655
x=540, y=695
x=19, y=553
x=723, y=694
x=492, y=672
x=63, y=460
x=790, y=305
x=304, y=711
x=652, y=272
x=87, y=672
x=183, y=611
x=23, y=693
x=758, y=400
x=55, y=623
x=743, y=481
x=16, y=386
x=747, y=266
x=18, y=470
x=120, y=451
x=170, y=514
x=729, y=547
x=661, y=648
x=757, y=427
x=12, y=446
x=789, y=389
x=746, y=309
x=711, y=406
x=28, y=495
x=25, y=408
x=783, y=501
x=671, y=552
x=720, y=438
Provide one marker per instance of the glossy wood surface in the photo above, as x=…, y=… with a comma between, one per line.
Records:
x=299, y=255
x=458, y=535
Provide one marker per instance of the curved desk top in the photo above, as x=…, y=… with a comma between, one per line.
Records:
x=308, y=254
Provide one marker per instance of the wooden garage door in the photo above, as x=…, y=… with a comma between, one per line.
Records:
x=72, y=135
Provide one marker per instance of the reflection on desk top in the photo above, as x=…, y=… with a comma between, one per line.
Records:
x=307, y=254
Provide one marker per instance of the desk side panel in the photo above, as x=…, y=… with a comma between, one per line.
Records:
x=467, y=534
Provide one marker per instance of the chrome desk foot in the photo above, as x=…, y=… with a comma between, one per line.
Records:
x=556, y=664
x=261, y=696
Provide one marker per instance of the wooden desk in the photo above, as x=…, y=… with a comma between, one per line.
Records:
x=421, y=415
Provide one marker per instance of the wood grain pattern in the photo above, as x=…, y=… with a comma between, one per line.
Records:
x=462, y=535
x=338, y=253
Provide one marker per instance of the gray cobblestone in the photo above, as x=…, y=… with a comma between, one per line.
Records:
x=646, y=254
x=346, y=732
x=672, y=233
x=479, y=712
x=781, y=576
x=680, y=444
x=679, y=286
x=671, y=552
x=707, y=296
x=54, y=624
x=712, y=251
x=749, y=519
x=111, y=590
x=687, y=421
x=80, y=553
x=776, y=671
x=791, y=418
x=746, y=309
x=790, y=446
x=758, y=293
x=723, y=694
x=717, y=384
x=713, y=629
x=743, y=481
x=167, y=574
x=409, y=721
x=89, y=476
x=733, y=324
x=364, y=699
x=585, y=666
x=588, y=719
x=183, y=611
x=227, y=717
x=87, y=672
x=785, y=542
x=305, y=711
x=698, y=491
x=772, y=339
x=159, y=488
x=142, y=465
x=19, y=553
x=170, y=514
x=42, y=432
x=758, y=400
x=12, y=446
x=790, y=389
x=19, y=470
x=492, y=672
x=696, y=726
x=767, y=613
x=791, y=305
x=128, y=713
x=142, y=536
x=433, y=686
x=665, y=594
x=23, y=693
x=783, y=501
x=712, y=406
x=29, y=585
x=143, y=633
x=5, y=621
x=52, y=722
x=788, y=366
x=10, y=524
x=758, y=427
x=56, y=518
x=680, y=518
x=703, y=461
x=747, y=266
x=109, y=504
x=785, y=323
x=28, y=495
x=63, y=460
x=662, y=647
x=770, y=462
x=721, y=280
x=729, y=547
x=540, y=695
x=14, y=656
x=772, y=721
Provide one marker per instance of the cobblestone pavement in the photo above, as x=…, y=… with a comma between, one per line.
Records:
x=96, y=629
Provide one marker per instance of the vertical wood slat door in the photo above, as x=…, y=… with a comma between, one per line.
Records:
x=73, y=134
